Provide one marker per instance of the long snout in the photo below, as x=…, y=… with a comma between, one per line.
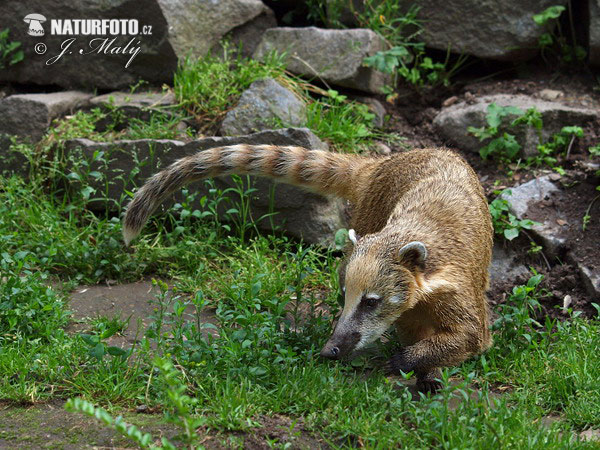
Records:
x=340, y=345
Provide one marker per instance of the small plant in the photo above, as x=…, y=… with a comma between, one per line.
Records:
x=9, y=50
x=345, y=124
x=587, y=217
x=515, y=315
x=503, y=144
x=566, y=49
x=505, y=223
x=29, y=309
x=97, y=347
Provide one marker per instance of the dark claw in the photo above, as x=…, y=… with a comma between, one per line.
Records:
x=400, y=361
x=428, y=385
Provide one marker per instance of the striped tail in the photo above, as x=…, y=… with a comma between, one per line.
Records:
x=319, y=171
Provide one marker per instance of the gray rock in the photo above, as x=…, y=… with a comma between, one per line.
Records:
x=591, y=279
x=139, y=105
x=491, y=29
x=376, y=107
x=248, y=35
x=335, y=56
x=594, y=29
x=504, y=269
x=452, y=122
x=136, y=100
x=29, y=115
x=260, y=106
x=195, y=27
x=523, y=197
x=300, y=213
x=178, y=28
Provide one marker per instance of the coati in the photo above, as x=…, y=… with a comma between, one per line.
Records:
x=421, y=243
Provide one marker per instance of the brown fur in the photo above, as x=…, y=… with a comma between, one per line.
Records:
x=428, y=196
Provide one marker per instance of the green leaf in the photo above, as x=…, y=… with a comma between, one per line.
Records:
x=90, y=340
x=116, y=351
x=98, y=351
x=545, y=40
x=553, y=12
x=511, y=233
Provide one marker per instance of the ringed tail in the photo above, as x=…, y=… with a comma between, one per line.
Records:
x=317, y=170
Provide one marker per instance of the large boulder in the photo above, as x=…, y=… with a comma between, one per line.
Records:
x=300, y=213
x=246, y=37
x=452, y=122
x=264, y=102
x=29, y=115
x=594, y=29
x=334, y=56
x=491, y=29
x=167, y=30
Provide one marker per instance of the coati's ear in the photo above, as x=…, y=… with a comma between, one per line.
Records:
x=413, y=255
x=353, y=236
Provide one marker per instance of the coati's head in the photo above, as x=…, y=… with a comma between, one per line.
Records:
x=381, y=278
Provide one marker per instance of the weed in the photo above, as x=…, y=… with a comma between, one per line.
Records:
x=556, y=42
x=504, y=146
x=505, y=223
x=347, y=125
x=29, y=310
x=105, y=329
x=9, y=50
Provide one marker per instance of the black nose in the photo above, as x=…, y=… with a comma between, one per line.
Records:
x=330, y=352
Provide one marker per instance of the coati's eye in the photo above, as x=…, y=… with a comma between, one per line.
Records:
x=370, y=301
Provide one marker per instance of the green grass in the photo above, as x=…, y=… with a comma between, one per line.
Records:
x=273, y=301
x=261, y=363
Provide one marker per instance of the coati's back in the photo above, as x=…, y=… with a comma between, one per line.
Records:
x=432, y=192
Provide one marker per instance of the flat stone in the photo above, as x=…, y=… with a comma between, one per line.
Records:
x=260, y=106
x=138, y=105
x=299, y=213
x=334, y=56
x=452, y=122
x=29, y=115
x=130, y=302
x=136, y=99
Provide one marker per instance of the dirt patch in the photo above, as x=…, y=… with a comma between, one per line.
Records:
x=50, y=426
x=133, y=302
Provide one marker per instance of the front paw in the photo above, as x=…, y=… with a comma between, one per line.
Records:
x=429, y=385
x=401, y=361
